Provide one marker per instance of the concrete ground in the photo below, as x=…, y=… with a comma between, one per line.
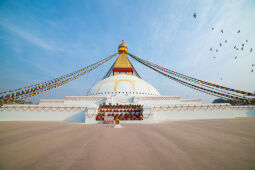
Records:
x=197, y=144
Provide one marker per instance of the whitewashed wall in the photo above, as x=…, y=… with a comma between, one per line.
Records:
x=151, y=114
x=90, y=114
x=201, y=112
x=42, y=113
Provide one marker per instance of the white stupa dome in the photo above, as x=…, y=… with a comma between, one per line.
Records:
x=123, y=85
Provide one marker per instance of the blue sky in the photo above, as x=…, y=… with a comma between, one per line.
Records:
x=40, y=40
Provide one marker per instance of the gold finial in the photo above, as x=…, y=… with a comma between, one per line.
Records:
x=123, y=47
x=122, y=64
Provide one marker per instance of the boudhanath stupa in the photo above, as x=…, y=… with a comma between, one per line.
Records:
x=123, y=95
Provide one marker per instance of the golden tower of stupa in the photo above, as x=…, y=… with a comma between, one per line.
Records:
x=122, y=64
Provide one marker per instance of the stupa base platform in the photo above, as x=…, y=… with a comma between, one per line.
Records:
x=150, y=114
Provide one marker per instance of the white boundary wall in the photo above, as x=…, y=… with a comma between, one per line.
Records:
x=151, y=114
x=42, y=113
x=204, y=111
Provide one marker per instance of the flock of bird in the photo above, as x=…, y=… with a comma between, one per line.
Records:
x=236, y=47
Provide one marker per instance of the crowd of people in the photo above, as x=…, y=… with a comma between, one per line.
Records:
x=121, y=112
x=120, y=108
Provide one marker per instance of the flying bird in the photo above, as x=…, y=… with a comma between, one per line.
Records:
x=226, y=41
x=242, y=44
x=238, y=31
x=251, y=50
x=216, y=50
x=195, y=15
x=252, y=65
x=214, y=57
x=235, y=47
x=220, y=44
x=242, y=48
x=210, y=49
x=212, y=28
x=246, y=40
x=235, y=57
x=252, y=70
x=221, y=31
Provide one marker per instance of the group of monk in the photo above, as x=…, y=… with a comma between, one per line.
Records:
x=121, y=116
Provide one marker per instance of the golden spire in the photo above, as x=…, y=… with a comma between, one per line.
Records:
x=122, y=64
x=123, y=48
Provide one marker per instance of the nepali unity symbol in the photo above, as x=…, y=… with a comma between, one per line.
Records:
x=122, y=95
x=117, y=121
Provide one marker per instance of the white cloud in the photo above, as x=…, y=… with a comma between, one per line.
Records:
x=27, y=36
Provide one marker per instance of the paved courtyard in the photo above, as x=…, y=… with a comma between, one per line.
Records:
x=196, y=144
